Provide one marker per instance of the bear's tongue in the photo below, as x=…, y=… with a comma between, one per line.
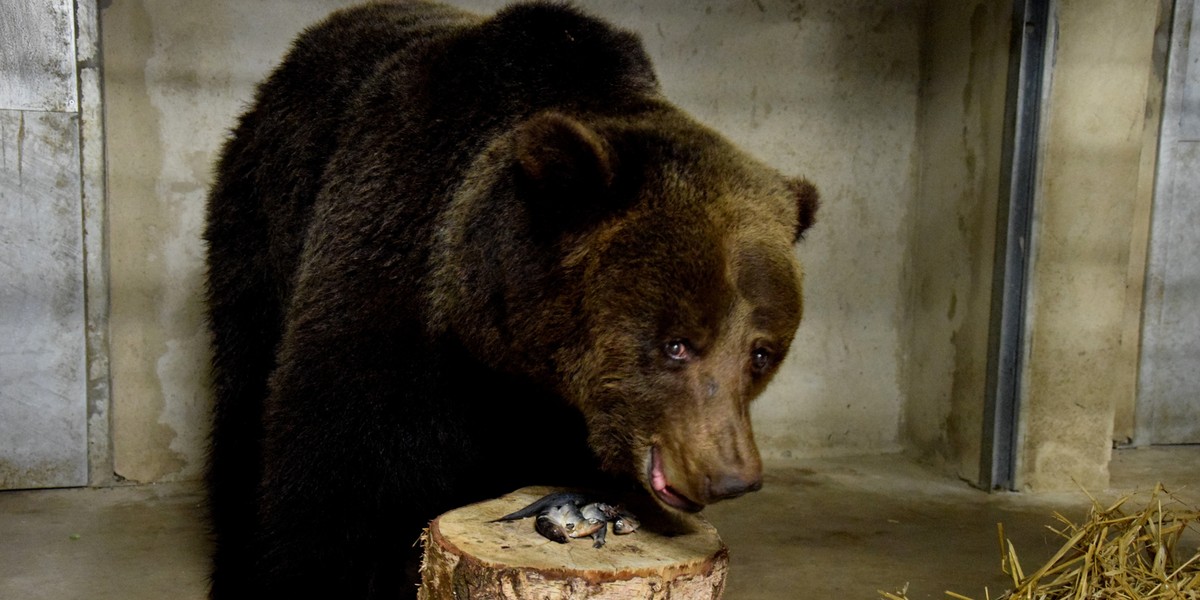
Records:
x=662, y=487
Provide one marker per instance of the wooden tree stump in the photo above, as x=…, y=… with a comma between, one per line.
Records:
x=466, y=556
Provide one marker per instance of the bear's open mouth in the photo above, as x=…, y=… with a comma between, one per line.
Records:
x=662, y=488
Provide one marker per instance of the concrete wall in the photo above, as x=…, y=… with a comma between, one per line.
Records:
x=176, y=75
x=826, y=89
x=1080, y=361
x=1092, y=208
x=964, y=61
x=895, y=109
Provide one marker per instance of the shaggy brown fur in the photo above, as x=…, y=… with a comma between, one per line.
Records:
x=450, y=256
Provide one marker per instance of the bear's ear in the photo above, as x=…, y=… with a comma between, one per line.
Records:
x=807, y=199
x=564, y=168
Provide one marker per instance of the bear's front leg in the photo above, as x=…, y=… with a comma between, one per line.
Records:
x=361, y=450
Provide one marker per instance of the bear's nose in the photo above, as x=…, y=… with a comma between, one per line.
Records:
x=732, y=485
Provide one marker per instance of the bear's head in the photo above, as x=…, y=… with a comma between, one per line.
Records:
x=652, y=283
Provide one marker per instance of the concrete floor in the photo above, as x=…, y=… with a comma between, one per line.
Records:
x=822, y=528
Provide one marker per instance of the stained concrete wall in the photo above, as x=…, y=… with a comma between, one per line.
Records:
x=1080, y=358
x=176, y=75
x=964, y=62
x=1092, y=207
x=826, y=89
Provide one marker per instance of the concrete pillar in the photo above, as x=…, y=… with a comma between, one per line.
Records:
x=1077, y=363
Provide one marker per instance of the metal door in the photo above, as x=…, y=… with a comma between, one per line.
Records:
x=1168, y=404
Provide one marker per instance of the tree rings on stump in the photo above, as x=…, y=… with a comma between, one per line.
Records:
x=467, y=556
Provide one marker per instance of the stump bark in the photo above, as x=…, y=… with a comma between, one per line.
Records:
x=466, y=556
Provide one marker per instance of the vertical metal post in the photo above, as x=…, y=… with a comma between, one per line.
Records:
x=1031, y=20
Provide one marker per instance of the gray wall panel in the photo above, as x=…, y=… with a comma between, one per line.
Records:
x=37, y=55
x=1168, y=410
x=43, y=416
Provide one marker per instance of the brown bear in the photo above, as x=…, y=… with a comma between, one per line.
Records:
x=449, y=256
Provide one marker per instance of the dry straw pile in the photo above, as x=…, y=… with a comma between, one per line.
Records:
x=1112, y=555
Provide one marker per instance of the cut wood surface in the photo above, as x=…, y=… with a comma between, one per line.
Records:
x=468, y=556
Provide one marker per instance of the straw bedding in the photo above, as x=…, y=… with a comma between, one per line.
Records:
x=1147, y=554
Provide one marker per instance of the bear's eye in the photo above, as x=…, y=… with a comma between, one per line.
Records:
x=761, y=359
x=678, y=350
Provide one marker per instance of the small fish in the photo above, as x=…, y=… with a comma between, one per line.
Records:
x=626, y=524
x=565, y=515
x=551, y=529
x=597, y=512
x=544, y=504
x=591, y=528
x=623, y=521
x=566, y=521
